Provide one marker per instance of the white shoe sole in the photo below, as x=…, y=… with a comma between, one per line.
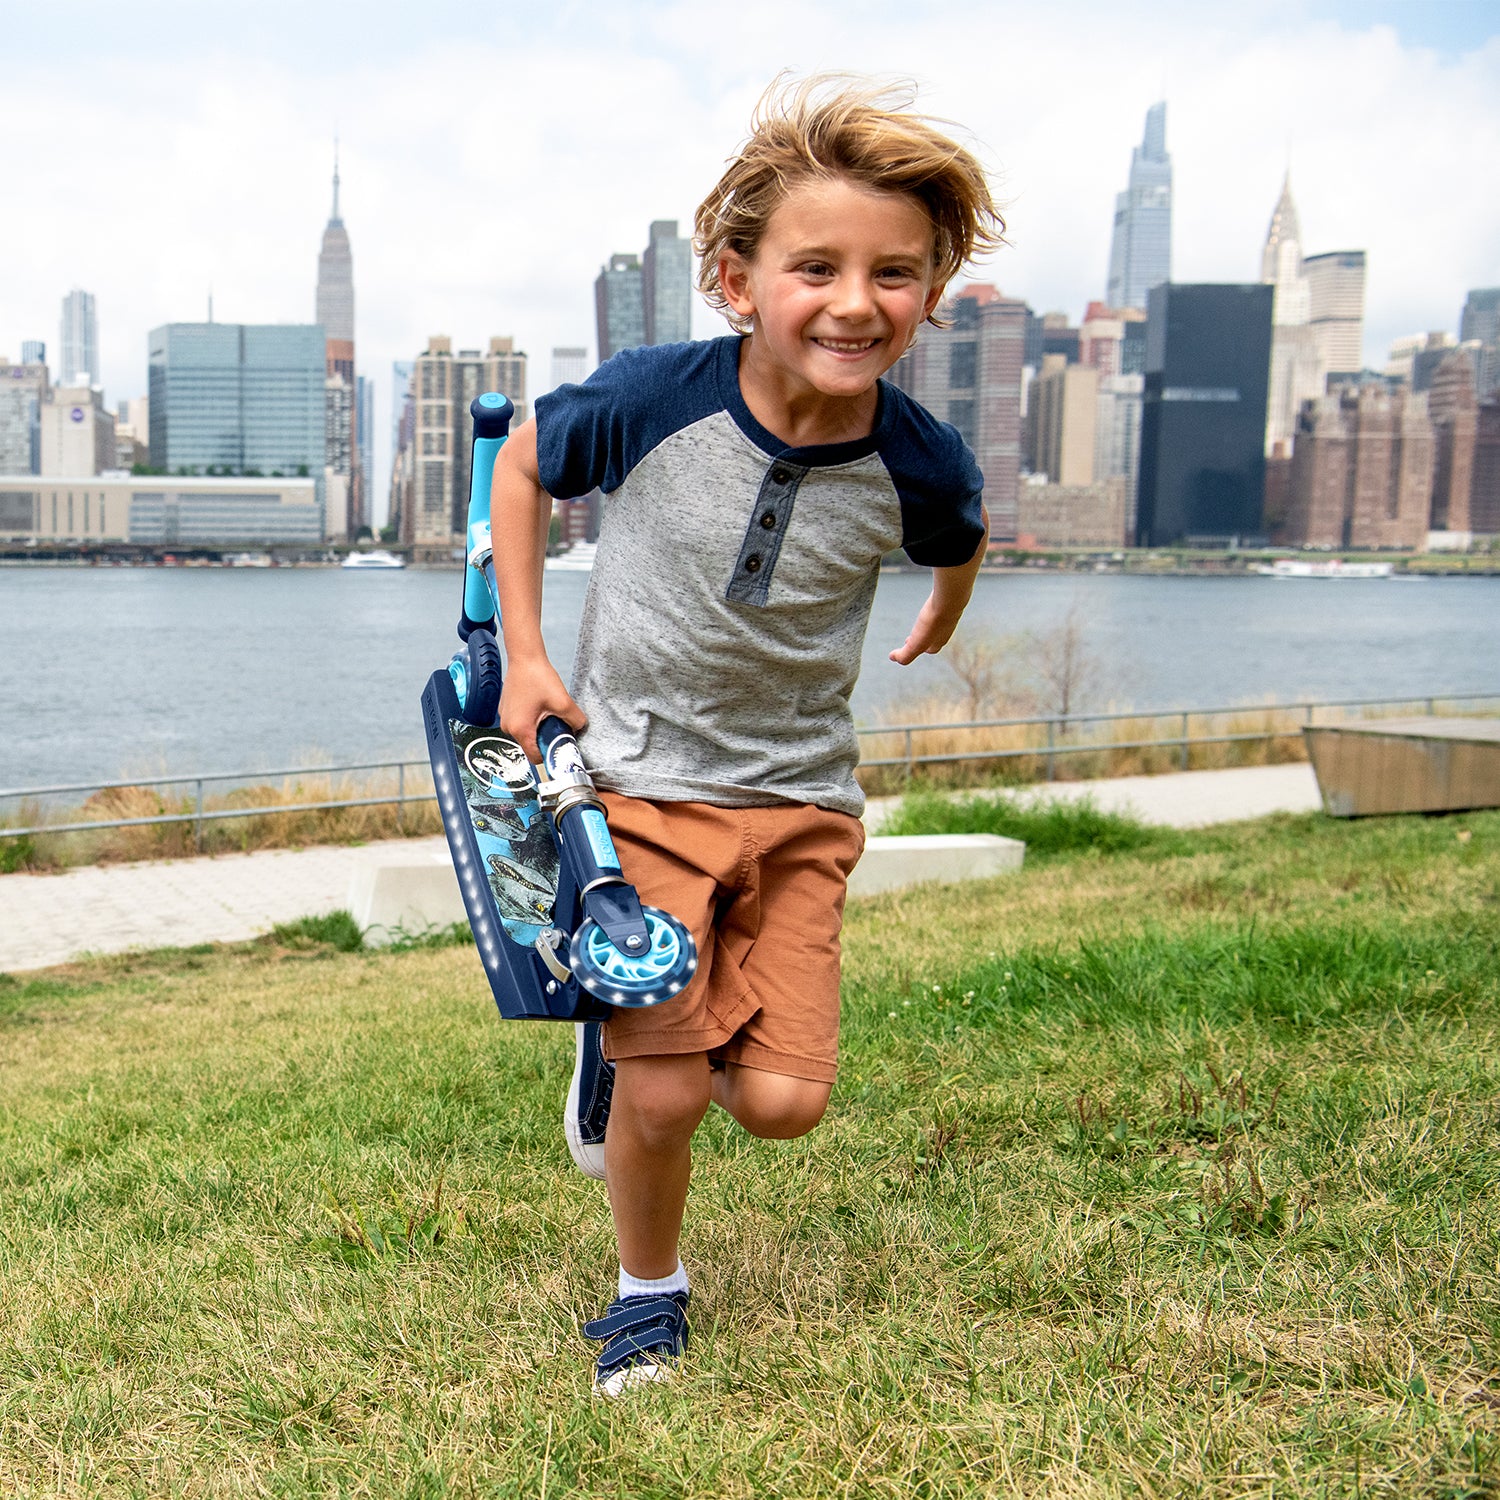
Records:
x=632, y=1375
x=588, y=1156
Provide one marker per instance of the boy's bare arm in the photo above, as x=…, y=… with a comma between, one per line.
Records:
x=939, y=616
x=520, y=513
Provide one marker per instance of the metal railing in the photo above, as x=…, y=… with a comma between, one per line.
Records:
x=1054, y=735
x=199, y=815
x=1057, y=727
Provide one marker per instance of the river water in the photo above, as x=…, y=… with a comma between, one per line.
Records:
x=116, y=672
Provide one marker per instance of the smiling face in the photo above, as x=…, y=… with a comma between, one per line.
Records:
x=836, y=291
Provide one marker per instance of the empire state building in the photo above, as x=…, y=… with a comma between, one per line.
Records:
x=335, y=311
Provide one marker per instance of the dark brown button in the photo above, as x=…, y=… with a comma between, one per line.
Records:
x=779, y=476
x=752, y=563
x=768, y=520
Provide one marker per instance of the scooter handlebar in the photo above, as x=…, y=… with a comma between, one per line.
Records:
x=548, y=732
x=492, y=413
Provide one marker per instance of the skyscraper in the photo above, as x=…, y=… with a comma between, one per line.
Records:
x=403, y=444
x=335, y=295
x=1067, y=415
x=23, y=389
x=1296, y=367
x=335, y=313
x=619, y=306
x=1203, y=427
x=435, y=503
x=646, y=299
x=364, y=427
x=1480, y=322
x=1336, y=308
x=970, y=375
x=667, y=284
x=1454, y=412
x=1362, y=470
x=80, y=340
x=1140, y=252
x=33, y=352
x=236, y=398
x=569, y=366
x=78, y=435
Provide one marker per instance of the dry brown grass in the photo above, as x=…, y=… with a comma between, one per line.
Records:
x=944, y=753
x=279, y=814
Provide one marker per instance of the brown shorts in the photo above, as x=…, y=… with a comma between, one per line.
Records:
x=762, y=891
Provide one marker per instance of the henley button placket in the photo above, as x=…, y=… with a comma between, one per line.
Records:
x=764, y=532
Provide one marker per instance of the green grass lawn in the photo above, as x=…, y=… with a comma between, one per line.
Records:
x=1170, y=1170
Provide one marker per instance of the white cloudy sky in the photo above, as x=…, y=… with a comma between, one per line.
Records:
x=160, y=148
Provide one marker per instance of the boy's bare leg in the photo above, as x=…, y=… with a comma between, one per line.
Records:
x=773, y=1106
x=657, y=1104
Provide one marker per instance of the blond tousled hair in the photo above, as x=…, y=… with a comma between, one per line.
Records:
x=834, y=125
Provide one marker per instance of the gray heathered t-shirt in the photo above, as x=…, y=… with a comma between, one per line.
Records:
x=723, y=625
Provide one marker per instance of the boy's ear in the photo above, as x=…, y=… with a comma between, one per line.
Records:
x=934, y=296
x=734, y=282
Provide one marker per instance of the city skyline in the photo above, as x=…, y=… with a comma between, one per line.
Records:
x=645, y=141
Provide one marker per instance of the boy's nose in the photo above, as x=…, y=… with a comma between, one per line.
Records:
x=854, y=297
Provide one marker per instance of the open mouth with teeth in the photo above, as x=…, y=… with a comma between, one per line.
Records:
x=846, y=346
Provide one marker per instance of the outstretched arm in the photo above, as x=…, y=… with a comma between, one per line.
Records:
x=520, y=512
x=939, y=616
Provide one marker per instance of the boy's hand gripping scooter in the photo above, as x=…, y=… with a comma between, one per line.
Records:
x=561, y=933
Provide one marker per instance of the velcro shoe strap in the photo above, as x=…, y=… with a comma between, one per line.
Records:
x=635, y=1314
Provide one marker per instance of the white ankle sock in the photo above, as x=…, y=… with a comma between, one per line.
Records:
x=636, y=1286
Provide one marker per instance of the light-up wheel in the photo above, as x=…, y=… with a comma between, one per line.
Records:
x=624, y=979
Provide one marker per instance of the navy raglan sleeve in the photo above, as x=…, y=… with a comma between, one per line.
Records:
x=592, y=435
x=941, y=490
x=582, y=431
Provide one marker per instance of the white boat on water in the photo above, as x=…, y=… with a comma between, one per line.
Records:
x=579, y=558
x=1327, y=567
x=376, y=558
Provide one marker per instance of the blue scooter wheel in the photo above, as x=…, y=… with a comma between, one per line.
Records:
x=476, y=679
x=622, y=979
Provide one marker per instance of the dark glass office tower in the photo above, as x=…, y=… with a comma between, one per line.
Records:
x=1203, y=429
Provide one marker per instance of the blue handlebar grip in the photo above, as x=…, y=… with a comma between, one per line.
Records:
x=491, y=413
x=548, y=731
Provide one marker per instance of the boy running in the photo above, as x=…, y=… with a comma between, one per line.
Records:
x=752, y=485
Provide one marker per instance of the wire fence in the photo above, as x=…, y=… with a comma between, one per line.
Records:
x=1036, y=746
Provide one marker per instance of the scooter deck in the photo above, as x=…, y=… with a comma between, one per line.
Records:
x=505, y=853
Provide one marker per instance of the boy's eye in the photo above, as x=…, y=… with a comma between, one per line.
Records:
x=897, y=273
x=817, y=268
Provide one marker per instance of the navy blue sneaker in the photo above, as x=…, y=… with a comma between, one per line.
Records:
x=587, y=1111
x=642, y=1338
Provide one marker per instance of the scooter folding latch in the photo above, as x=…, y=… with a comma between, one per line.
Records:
x=548, y=941
x=481, y=549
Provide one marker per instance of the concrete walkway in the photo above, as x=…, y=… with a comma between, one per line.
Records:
x=49, y=919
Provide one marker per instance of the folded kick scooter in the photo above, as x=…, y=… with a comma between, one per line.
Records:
x=561, y=933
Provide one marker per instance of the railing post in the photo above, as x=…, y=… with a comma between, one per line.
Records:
x=198, y=817
x=1182, y=759
x=1429, y=708
x=401, y=797
x=1051, y=743
x=910, y=764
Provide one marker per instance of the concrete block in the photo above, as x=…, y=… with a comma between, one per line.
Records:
x=891, y=863
x=396, y=891
x=409, y=891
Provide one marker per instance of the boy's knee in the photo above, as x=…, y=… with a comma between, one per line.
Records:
x=664, y=1098
x=777, y=1108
